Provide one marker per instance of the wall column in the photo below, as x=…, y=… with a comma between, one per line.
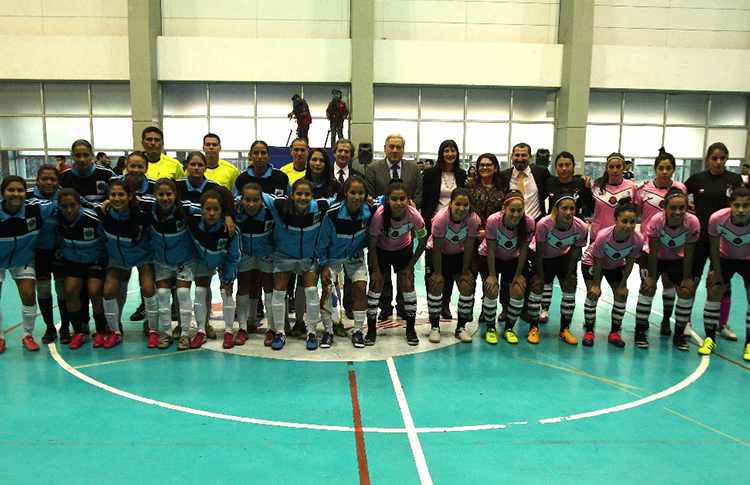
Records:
x=362, y=62
x=576, y=34
x=144, y=26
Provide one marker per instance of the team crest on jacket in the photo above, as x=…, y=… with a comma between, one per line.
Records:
x=101, y=186
x=269, y=226
x=222, y=243
x=279, y=192
x=31, y=224
x=88, y=233
x=456, y=237
x=179, y=225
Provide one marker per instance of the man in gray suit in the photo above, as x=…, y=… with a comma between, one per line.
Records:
x=377, y=176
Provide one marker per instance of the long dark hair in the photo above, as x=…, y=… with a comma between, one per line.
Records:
x=392, y=187
x=326, y=175
x=221, y=194
x=521, y=228
x=135, y=211
x=177, y=203
x=496, y=182
x=341, y=196
x=441, y=160
x=664, y=155
x=604, y=179
x=288, y=207
x=717, y=146
x=459, y=192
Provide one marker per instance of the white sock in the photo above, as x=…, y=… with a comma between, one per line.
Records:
x=200, y=307
x=278, y=305
x=183, y=296
x=112, y=314
x=268, y=299
x=243, y=304
x=28, y=313
x=152, y=313
x=312, y=302
x=164, y=295
x=359, y=319
x=227, y=304
x=122, y=298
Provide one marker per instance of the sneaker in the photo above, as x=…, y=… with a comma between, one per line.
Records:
x=2, y=345
x=708, y=346
x=241, y=337
x=384, y=315
x=326, y=341
x=177, y=332
x=543, y=316
x=510, y=336
x=299, y=329
x=28, y=342
x=745, y=355
x=312, y=341
x=435, y=335
x=371, y=336
x=665, y=329
x=615, y=339
x=198, y=340
x=358, y=340
x=339, y=330
x=165, y=341
x=65, y=337
x=278, y=341
x=533, y=336
x=491, y=336
x=588, y=339
x=680, y=342
x=464, y=335
x=111, y=340
x=153, y=340
x=49, y=336
x=77, y=341
x=726, y=332
x=640, y=340
x=98, y=340
x=268, y=339
x=184, y=342
x=210, y=331
x=228, y=340
x=411, y=337
x=567, y=337
x=139, y=314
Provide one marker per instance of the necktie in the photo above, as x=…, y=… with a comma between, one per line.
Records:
x=341, y=176
x=521, y=177
x=394, y=172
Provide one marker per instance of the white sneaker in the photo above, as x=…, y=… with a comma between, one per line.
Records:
x=464, y=335
x=688, y=333
x=726, y=332
x=435, y=335
x=543, y=316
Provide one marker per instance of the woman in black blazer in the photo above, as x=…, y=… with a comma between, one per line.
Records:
x=437, y=184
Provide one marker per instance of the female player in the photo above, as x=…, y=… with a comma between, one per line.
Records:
x=84, y=256
x=319, y=173
x=611, y=256
x=192, y=187
x=297, y=224
x=218, y=249
x=341, y=244
x=449, y=253
x=672, y=235
x=507, y=237
x=608, y=191
x=137, y=166
x=21, y=221
x=391, y=245
x=649, y=199
x=560, y=238
x=729, y=230
x=255, y=223
x=125, y=226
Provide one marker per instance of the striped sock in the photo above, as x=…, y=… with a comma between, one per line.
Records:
x=668, y=297
x=489, y=311
x=682, y=314
x=410, y=309
x=589, y=314
x=514, y=310
x=434, y=304
x=643, y=312
x=711, y=318
x=372, y=308
x=535, y=301
x=567, y=307
x=618, y=313
x=547, y=296
x=465, y=308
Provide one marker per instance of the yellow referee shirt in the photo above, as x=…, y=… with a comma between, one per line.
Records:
x=166, y=167
x=224, y=174
x=292, y=172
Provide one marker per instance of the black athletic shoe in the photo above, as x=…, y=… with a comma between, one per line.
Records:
x=411, y=337
x=680, y=342
x=371, y=337
x=50, y=335
x=139, y=314
x=640, y=339
x=385, y=315
x=665, y=329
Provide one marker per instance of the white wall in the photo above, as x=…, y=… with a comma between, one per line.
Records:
x=64, y=17
x=519, y=21
x=715, y=24
x=301, y=19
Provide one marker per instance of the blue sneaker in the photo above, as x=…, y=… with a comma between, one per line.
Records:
x=312, y=341
x=358, y=339
x=326, y=341
x=278, y=341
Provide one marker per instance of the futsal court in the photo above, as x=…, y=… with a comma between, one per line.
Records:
x=451, y=413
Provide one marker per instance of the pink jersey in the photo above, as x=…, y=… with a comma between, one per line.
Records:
x=650, y=199
x=507, y=239
x=606, y=203
x=454, y=233
x=612, y=253
x=399, y=231
x=672, y=240
x=558, y=242
x=734, y=240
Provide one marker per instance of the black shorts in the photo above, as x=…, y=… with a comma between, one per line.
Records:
x=701, y=254
x=398, y=260
x=95, y=270
x=613, y=276
x=730, y=267
x=452, y=264
x=672, y=267
x=47, y=263
x=506, y=269
x=556, y=268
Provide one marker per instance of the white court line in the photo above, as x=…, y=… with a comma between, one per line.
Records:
x=411, y=432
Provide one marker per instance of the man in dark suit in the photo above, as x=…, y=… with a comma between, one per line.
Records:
x=378, y=175
x=531, y=180
x=343, y=150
